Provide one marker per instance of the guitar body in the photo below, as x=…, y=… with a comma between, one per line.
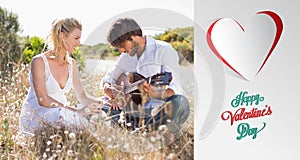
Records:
x=136, y=94
x=135, y=79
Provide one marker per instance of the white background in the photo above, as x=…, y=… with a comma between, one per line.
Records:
x=278, y=82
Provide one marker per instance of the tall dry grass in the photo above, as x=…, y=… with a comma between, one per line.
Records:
x=99, y=141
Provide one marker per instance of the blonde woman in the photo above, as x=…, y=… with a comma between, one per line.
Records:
x=54, y=73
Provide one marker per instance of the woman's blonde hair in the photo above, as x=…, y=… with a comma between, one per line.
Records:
x=65, y=25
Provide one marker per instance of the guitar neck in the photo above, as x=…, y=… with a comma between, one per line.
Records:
x=158, y=79
x=133, y=86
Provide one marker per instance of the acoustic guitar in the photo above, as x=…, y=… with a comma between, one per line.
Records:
x=136, y=79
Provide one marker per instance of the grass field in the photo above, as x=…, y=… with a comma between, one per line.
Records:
x=102, y=143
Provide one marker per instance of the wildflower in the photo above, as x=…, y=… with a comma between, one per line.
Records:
x=102, y=138
x=22, y=143
x=58, y=151
x=103, y=114
x=72, y=135
x=109, y=146
x=122, y=114
x=158, y=136
x=87, y=110
x=44, y=155
x=116, y=145
x=126, y=146
x=66, y=132
x=120, y=121
x=94, y=118
x=70, y=152
x=129, y=124
x=149, y=147
x=141, y=158
x=109, y=139
x=48, y=143
x=152, y=139
x=54, y=155
x=144, y=133
x=171, y=156
x=162, y=127
x=142, y=139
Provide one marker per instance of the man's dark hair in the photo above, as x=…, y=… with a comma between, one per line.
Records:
x=122, y=30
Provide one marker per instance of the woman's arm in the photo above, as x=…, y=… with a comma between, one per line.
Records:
x=38, y=79
x=78, y=88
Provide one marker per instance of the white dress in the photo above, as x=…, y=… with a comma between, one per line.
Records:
x=34, y=116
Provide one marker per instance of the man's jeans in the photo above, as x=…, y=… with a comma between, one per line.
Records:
x=173, y=114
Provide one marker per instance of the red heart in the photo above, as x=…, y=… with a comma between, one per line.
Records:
x=279, y=27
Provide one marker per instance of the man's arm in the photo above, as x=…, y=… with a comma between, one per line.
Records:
x=107, y=90
x=110, y=87
x=170, y=60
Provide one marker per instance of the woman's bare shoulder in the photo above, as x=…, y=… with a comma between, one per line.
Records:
x=37, y=60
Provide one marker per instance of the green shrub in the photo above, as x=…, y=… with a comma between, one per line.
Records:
x=10, y=51
x=78, y=56
x=33, y=46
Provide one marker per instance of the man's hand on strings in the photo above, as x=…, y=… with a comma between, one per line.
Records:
x=158, y=92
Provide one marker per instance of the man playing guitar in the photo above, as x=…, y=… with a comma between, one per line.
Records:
x=149, y=58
